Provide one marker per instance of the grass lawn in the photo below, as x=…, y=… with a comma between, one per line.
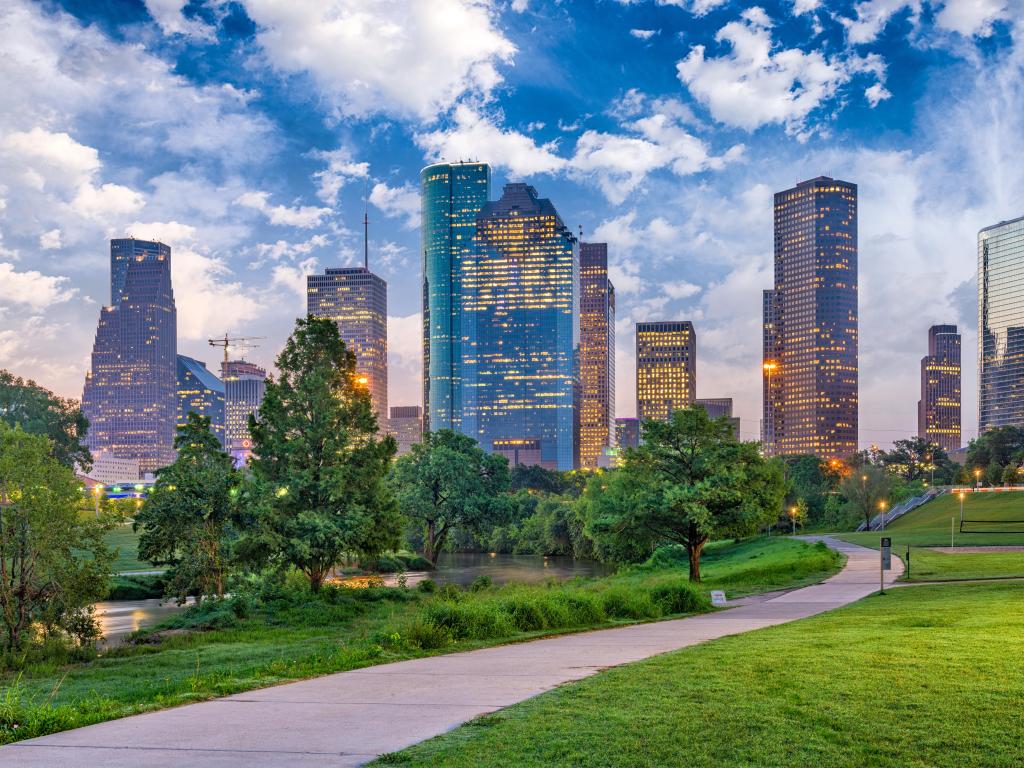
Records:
x=127, y=543
x=923, y=676
x=929, y=527
x=300, y=640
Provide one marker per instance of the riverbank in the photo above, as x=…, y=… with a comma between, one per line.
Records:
x=236, y=645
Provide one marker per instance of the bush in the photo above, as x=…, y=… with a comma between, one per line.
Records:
x=422, y=634
x=427, y=586
x=629, y=603
x=450, y=592
x=679, y=597
x=480, y=583
x=469, y=620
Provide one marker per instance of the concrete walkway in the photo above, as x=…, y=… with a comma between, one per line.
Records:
x=349, y=718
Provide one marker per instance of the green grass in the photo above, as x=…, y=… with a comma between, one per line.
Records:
x=127, y=543
x=284, y=642
x=921, y=677
x=929, y=526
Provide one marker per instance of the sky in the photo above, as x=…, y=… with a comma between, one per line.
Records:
x=247, y=134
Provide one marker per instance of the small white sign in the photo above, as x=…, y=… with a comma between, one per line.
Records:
x=717, y=597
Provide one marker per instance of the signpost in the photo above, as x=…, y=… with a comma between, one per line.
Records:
x=717, y=597
x=885, y=552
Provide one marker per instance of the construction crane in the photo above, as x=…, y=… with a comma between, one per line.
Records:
x=235, y=341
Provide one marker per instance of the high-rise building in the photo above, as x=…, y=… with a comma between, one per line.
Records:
x=244, y=385
x=597, y=355
x=938, y=410
x=357, y=300
x=406, y=426
x=130, y=390
x=720, y=408
x=666, y=368
x=520, y=325
x=1001, y=325
x=627, y=432
x=199, y=391
x=810, y=323
x=452, y=194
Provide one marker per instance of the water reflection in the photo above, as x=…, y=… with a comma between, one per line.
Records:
x=463, y=567
x=119, y=618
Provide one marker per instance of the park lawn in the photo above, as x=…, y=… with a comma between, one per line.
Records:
x=922, y=676
x=126, y=541
x=257, y=653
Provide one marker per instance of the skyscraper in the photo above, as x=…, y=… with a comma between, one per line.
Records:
x=720, y=408
x=520, y=325
x=452, y=194
x=199, y=391
x=938, y=410
x=357, y=300
x=810, y=323
x=244, y=385
x=666, y=368
x=406, y=426
x=597, y=354
x=627, y=432
x=1001, y=325
x=130, y=389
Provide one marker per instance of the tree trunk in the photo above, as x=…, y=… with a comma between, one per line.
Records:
x=316, y=579
x=694, y=551
x=429, y=543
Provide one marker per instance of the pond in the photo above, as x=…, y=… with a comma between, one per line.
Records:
x=119, y=618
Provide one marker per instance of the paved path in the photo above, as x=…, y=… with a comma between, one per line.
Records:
x=349, y=718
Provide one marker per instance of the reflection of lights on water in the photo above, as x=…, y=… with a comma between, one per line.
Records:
x=493, y=554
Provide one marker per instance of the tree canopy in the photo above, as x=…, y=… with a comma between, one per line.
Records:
x=41, y=412
x=867, y=489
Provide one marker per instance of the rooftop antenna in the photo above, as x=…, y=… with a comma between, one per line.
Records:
x=581, y=233
x=236, y=341
x=366, y=228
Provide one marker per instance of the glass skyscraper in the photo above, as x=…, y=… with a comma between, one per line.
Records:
x=244, y=385
x=357, y=300
x=130, y=394
x=938, y=410
x=597, y=354
x=452, y=194
x=199, y=391
x=810, y=323
x=406, y=426
x=520, y=324
x=1001, y=325
x=666, y=368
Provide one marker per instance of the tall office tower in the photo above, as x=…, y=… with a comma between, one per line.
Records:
x=1001, y=325
x=520, y=324
x=452, y=194
x=406, y=426
x=720, y=408
x=130, y=391
x=666, y=368
x=810, y=323
x=199, y=391
x=627, y=432
x=357, y=300
x=597, y=355
x=938, y=410
x=244, y=385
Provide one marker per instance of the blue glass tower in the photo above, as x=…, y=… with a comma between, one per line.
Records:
x=130, y=395
x=452, y=195
x=199, y=391
x=520, y=323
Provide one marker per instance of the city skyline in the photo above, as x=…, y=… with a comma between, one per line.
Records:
x=255, y=165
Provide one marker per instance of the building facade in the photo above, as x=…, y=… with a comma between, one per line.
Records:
x=1001, y=325
x=666, y=368
x=199, y=391
x=627, y=433
x=938, y=410
x=597, y=355
x=452, y=194
x=130, y=394
x=720, y=408
x=810, y=364
x=520, y=328
x=357, y=300
x=244, y=385
x=406, y=426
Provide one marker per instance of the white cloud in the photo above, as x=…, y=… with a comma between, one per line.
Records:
x=520, y=6
x=972, y=17
x=403, y=201
x=873, y=16
x=51, y=241
x=303, y=216
x=168, y=15
x=340, y=170
x=876, y=93
x=801, y=7
x=106, y=201
x=680, y=289
x=293, y=279
x=643, y=34
x=403, y=56
x=33, y=289
x=282, y=250
x=56, y=157
x=754, y=85
x=405, y=359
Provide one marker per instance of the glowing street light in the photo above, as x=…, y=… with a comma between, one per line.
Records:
x=961, y=494
x=792, y=517
x=882, y=506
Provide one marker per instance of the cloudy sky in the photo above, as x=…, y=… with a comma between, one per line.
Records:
x=246, y=134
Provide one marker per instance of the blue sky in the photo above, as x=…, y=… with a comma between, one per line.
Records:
x=246, y=134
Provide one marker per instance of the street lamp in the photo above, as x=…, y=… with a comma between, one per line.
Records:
x=792, y=517
x=961, y=495
x=977, y=477
x=96, y=491
x=881, y=506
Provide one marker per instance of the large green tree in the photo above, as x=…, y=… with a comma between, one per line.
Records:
x=53, y=561
x=318, y=486
x=688, y=482
x=448, y=482
x=40, y=412
x=866, y=489
x=186, y=522
x=915, y=459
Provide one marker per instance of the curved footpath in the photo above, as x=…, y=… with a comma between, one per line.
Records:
x=349, y=718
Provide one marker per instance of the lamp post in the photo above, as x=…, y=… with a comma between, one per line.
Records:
x=977, y=477
x=96, y=491
x=961, y=495
x=792, y=518
x=881, y=506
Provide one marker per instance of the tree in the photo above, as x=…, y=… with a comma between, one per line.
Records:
x=40, y=412
x=53, y=561
x=808, y=480
x=318, y=487
x=186, y=521
x=448, y=482
x=689, y=481
x=916, y=459
x=865, y=489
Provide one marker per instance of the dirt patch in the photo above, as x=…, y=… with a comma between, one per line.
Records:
x=976, y=550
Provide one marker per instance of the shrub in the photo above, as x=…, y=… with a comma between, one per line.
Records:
x=427, y=586
x=678, y=597
x=416, y=563
x=469, y=620
x=450, y=592
x=423, y=634
x=629, y=603
x=480, y=583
